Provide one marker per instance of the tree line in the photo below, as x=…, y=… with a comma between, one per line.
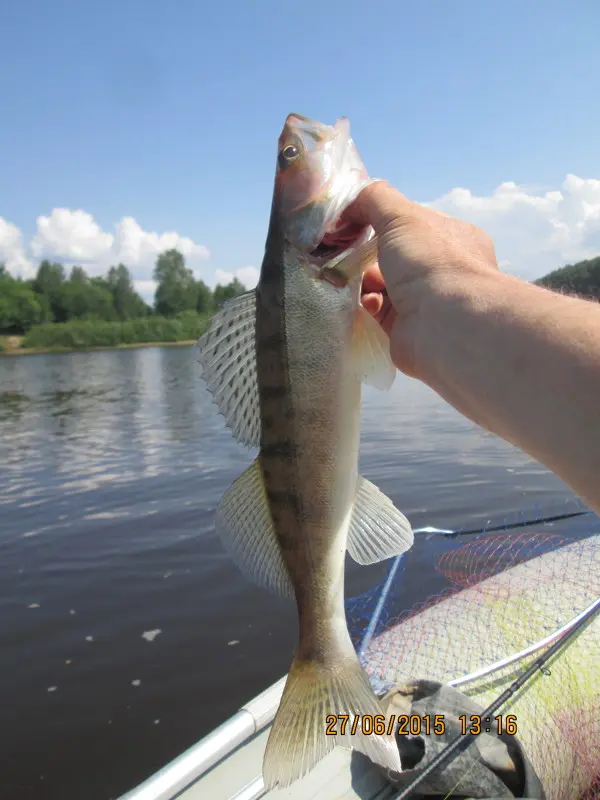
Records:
x=54, y=297
x=581, y=279
x=79, y=310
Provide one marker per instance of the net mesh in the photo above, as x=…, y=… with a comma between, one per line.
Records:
x=502, y=593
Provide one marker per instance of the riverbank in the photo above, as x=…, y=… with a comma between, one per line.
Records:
x=10, y=348
x=88, y=335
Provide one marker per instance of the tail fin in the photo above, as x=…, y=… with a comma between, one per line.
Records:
x=299, y=738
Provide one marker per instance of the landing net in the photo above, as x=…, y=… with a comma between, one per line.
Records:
x=506, y=586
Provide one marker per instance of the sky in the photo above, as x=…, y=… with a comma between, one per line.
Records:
x=130, y=127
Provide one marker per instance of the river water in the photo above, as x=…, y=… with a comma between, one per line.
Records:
x=125, y=632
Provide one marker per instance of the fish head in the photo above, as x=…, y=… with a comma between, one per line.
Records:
x=319, y=174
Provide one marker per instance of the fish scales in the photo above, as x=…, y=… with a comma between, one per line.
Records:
x=305, y=466
x=285, y=364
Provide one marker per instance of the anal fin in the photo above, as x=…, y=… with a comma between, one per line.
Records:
x=244, y=523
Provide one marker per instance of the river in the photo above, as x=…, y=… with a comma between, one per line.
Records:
x=125, y=632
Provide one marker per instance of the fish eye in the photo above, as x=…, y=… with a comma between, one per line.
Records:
x=288, y=155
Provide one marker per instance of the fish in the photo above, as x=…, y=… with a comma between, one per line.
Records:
x=285, y=364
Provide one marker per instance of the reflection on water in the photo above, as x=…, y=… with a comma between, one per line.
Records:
x=111, y=465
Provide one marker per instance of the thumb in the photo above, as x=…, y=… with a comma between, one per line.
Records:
x=381, y=206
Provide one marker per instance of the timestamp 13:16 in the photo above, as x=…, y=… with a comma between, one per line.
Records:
x=476, y=724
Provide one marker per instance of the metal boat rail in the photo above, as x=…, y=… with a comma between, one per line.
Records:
x=200, y=757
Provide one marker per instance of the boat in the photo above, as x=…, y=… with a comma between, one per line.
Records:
x=511, y=644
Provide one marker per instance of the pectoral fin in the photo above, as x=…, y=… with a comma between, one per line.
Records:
x=371, y=352
x=244, y=523
x=357, y=260
x=377, y=529
x=227, y=353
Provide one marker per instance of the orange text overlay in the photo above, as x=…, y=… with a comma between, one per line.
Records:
x=415, y=725
x=378, y=724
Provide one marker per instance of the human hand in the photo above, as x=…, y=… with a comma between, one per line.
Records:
x=422, y=254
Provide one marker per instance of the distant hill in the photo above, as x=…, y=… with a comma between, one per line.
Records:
x=582, y=279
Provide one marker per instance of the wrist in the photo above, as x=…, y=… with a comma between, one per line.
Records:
x=447, y=308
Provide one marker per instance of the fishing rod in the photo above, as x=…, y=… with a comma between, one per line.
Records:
x=462, y=741
x=504, y=526
x=521, y=524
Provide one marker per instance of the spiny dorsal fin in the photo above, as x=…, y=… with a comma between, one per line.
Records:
x=244, y=523
x=227, y=353
x=371, y=352
x=377, y=529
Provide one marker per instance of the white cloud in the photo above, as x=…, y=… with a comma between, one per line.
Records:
x=12, y=253
x=71, y=236
x=534, y=232
x=75, y=237
x=247, y=275
x=136, y=247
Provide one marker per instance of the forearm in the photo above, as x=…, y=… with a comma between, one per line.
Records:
x=524, y=363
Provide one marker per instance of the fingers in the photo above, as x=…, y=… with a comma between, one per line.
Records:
x=373, y=279
x=374, y=297
x=373, y=290
x=380, y=307
x=372, y=302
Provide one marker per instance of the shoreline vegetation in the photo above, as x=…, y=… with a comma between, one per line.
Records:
x=60, y=337
x=10, y=349
x=53, y=313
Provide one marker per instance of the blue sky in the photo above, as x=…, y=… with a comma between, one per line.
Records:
x=169, y=113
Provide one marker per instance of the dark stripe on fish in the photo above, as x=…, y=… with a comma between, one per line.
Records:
x=286, y=499
x=273, y=392
x=285, y=449
x=272, y=340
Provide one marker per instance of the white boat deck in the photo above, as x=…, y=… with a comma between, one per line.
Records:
x=340, y=776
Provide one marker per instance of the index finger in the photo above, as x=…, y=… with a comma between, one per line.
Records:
x=373, y=279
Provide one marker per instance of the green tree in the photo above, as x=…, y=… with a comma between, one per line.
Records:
x=224, y=293
x=205, y=300
x=78, y=299
x=176, y=290
x=78, y=275
x=101, y=282
x=582, y=278
x=127, y=302
x=20, y=307
x=47, y=282
x=48, y=278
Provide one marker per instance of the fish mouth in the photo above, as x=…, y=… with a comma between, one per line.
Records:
x=337, y=242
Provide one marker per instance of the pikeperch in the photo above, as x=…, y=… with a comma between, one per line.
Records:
x=284, y=364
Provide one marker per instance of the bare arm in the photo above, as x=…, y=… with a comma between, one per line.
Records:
x=519, y=360
x=525, y=364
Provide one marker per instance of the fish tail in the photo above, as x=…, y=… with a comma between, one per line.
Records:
x=317, y=712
